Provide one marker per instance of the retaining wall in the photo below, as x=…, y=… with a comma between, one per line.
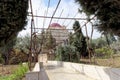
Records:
x=38, y=73
x=95, y=72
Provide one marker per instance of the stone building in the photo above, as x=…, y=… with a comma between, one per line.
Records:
x=60, y=33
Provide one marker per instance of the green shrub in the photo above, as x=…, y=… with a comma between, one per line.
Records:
x=66, y=53
x=104, y=52
x=1, y=59
x=17, y=57
x=17, y=74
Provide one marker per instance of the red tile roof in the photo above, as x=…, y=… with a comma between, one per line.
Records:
x=55, y=25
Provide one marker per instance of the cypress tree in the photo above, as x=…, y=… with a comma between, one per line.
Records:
x=13, y=14
x=79, y=40
x=106, y=11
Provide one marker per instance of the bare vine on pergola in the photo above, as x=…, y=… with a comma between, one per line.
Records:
x=33, y=28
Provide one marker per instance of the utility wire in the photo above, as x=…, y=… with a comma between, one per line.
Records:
x=60, y=17
x=65, y=19
x=36, y=20
x=84, y=24
x=54, y=12
x=60, y=14
x=32, y=20
x=92, y=29
x=46, y=12
x=40, y=5
x=31, y=44
x=86, y=30
x=44, y=20
x=48, y=7
x=71, y=20
x=54, y=29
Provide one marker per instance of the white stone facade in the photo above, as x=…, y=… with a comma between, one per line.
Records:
x=60, y=33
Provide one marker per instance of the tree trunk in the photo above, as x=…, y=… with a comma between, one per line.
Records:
x=6, y=59
x=78, y=57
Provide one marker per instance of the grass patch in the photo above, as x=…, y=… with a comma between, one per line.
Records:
x=17, y=73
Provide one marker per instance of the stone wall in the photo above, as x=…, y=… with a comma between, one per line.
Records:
x=95, y=72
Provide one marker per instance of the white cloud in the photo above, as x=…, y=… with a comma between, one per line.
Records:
x=69, y=7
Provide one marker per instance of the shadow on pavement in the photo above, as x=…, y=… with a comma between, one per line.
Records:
x=43, y=75
x=113, y=73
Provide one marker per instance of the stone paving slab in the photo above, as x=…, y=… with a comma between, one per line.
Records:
x=71, y=71
x=60, y=73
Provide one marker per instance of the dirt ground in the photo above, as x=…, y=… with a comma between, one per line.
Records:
x=7, y=69
x=110, y=62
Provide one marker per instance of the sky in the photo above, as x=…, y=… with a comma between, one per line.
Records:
x=68, y=8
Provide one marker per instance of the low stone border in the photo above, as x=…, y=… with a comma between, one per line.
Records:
x=95, y=72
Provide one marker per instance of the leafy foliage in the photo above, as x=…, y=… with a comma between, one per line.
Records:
x=50, y=42
x=13, y=15
x=71, y=38
x=98, y=43
x=107, y=12
x=105, y=40
x=17, y=53
x=116, y=46
x=76, y=47
x=23, y=44
x=17, y=56
x=66, y=53
x=104, y=52
x=6, y=49
x=1, y=59
x=59, y=52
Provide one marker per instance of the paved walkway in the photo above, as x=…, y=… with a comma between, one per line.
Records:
x=60, y=73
